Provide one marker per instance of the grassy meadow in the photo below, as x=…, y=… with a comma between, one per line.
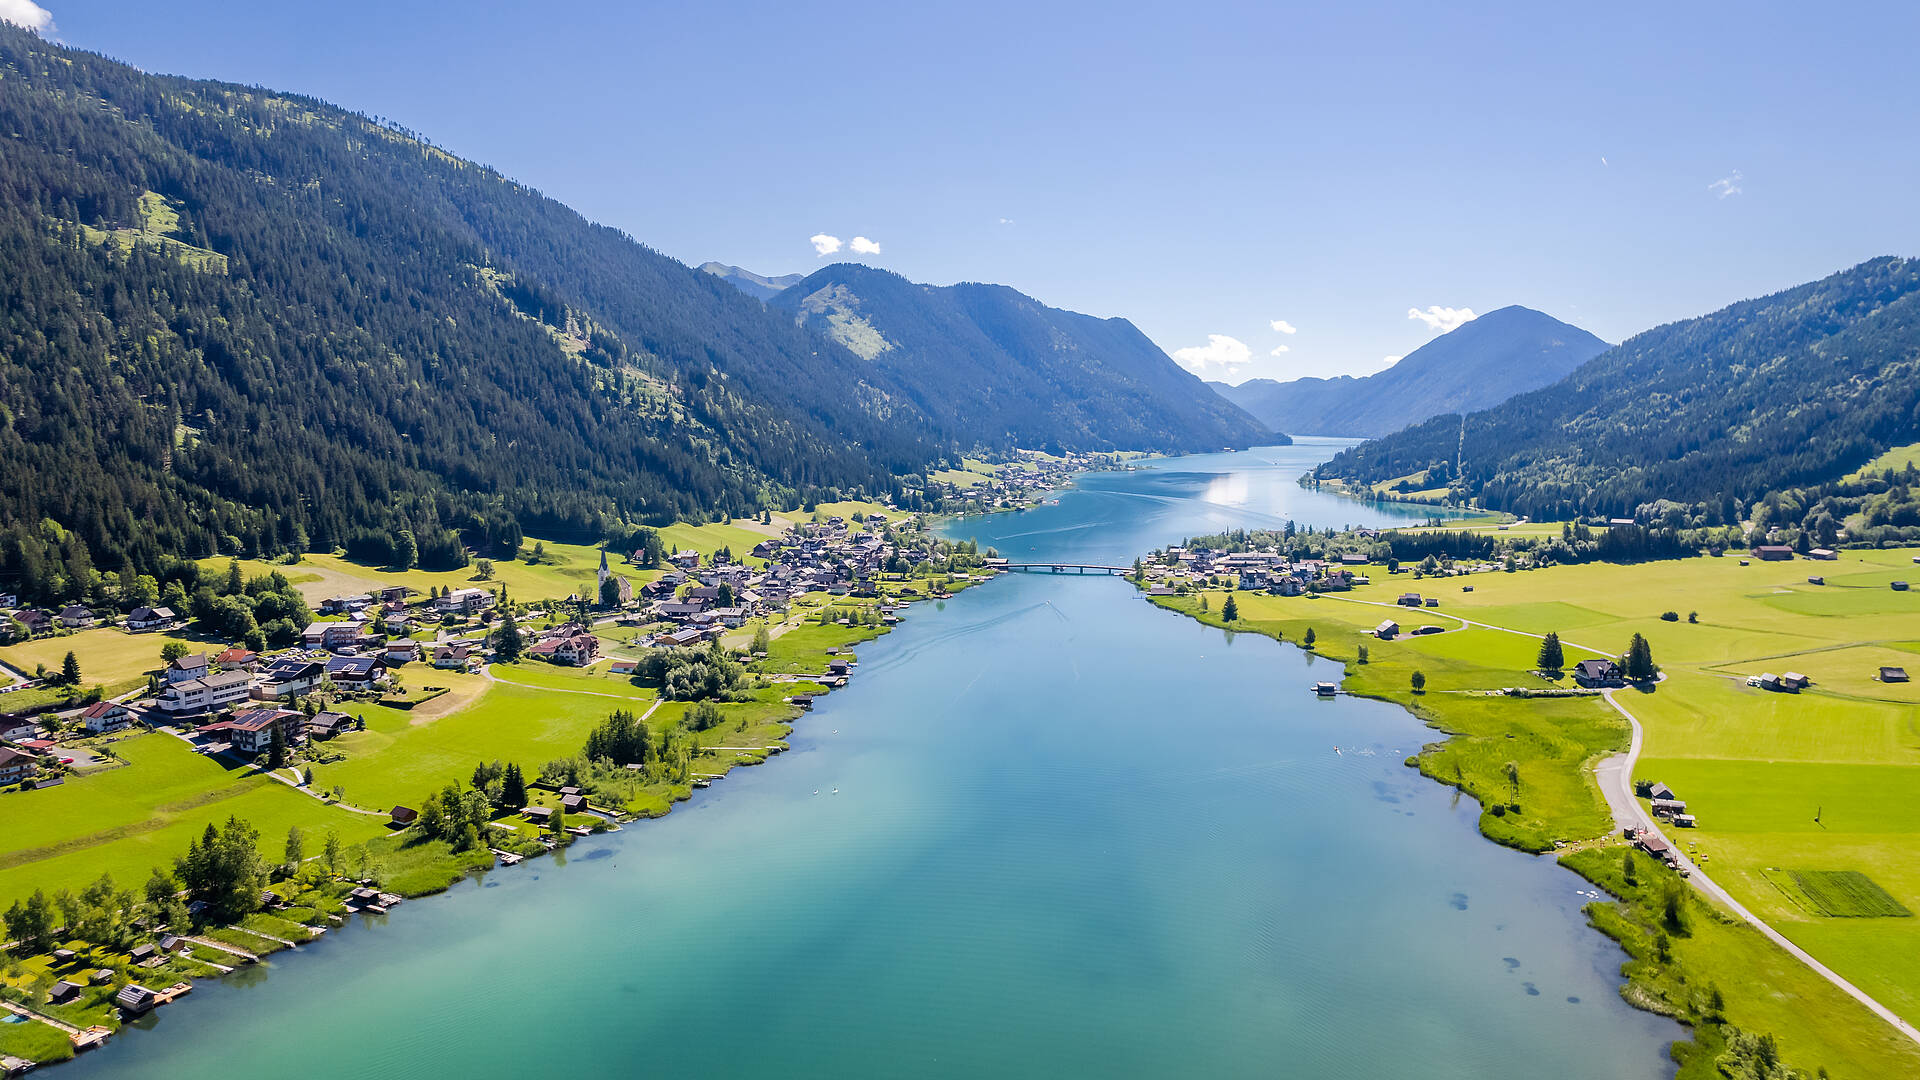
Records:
x=129, y=818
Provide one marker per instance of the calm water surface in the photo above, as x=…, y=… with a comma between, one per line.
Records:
x=1048, y=830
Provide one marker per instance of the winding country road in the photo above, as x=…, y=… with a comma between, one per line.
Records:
x=1615, y=776
x=1616, y=783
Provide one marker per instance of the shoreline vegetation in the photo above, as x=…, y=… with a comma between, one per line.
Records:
x=1523, y=743
x=241, y=893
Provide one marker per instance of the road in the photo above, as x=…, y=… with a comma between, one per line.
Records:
x=1616, y=783
x=1615, y=776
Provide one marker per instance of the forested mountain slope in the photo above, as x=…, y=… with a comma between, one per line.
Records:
x=1476, y=366
x=1788, y=389
x=235, y=320
x=1005, y=368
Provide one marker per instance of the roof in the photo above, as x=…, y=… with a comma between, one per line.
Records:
x=189, y=662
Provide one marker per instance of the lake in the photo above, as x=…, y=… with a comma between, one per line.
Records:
x=1048, y=829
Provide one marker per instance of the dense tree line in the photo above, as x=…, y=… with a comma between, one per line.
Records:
x=1433, y=548
x=1712, y=413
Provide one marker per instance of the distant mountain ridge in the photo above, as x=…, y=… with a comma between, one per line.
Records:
x=1505, y=352
x=758, y=286
x=1794, y=388
x=999, y=364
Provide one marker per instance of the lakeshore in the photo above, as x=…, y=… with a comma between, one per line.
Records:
x=1018, y=814
x=1526, y=750
x=66, y=994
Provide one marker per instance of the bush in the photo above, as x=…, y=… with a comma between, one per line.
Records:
x=1669, y=616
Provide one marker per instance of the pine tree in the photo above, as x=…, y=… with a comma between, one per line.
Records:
x=1551, y=658
x=277, y=746
x=70, y=669
x=513, y=788
x=507, y=642
x=1640, y=664
x=1230, y=611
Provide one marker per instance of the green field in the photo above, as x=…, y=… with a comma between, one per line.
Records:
x=126, y=820
x=1897, y=458
x=1839, y=894
x=108, y=657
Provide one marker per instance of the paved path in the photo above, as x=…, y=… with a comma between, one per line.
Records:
x=22, y=1010
x=1616, y=782
x=1464, y=621
x=1615, y=776
x=213, y=943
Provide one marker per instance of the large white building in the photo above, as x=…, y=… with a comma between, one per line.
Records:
x=207, y=694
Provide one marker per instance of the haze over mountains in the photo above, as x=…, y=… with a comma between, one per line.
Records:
x=1480, y=364
x=1717, y=411
x=755, y=285
x=238, y=320
x=992, y=359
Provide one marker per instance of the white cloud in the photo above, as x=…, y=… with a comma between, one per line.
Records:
x=863, y=246
x=1442, y=319
x=1006, y=221
x=822, y=243
x=1278, y=349
x=1283, y=326
x=1221, y=356
x=1726, y=185
x=26, y=13
x=1389, y=361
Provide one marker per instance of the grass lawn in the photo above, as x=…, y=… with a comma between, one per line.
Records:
x=595, y=679
x=127, y=820
x=400, y=758
x=707, y=539
x=33, y=1040
x=803, y=649
x=108, y=657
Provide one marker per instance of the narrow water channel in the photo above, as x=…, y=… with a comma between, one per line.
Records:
x=1048, y=830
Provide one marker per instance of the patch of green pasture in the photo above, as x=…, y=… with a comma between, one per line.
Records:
x=130, y=819
x=108, y=656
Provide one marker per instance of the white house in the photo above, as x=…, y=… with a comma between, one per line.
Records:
x=207, y=694
x=103, y=716
x=463, y=602
x=191, y=666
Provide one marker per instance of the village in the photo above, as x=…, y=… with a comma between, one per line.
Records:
x=394, y=650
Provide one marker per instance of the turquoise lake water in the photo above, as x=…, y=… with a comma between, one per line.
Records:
x=1048, y=830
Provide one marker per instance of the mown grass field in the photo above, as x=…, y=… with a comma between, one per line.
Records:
x=126, y=820
x=1826, y=781
x=108, y=657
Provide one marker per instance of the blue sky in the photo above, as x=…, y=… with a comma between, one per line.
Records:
x=1204, y=170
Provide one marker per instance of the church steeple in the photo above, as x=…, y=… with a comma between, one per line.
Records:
x=604, y=572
